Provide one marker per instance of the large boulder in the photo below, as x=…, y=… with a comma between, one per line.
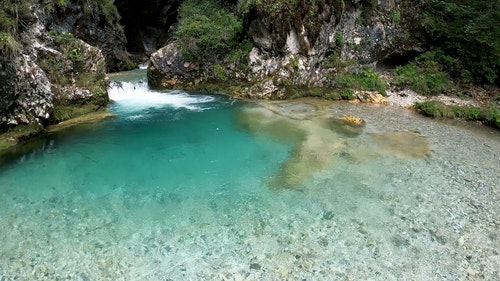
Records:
x=47, y=73
x=168, y=69
x=26, y=95
x=96, y=23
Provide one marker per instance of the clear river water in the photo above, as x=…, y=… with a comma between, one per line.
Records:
x=181, y=186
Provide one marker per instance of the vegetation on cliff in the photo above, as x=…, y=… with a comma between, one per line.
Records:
x=56, y=78
x=207, y=31
x=467, y=34
x=77, y=75
x=14, y=16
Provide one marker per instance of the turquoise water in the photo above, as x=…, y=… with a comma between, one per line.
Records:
x=192, y=187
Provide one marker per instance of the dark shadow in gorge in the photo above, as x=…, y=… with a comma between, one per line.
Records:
x=148, y=25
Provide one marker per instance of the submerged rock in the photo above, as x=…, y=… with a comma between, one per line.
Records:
x=402, y=144
x=88, y=118
x=320, y=140
x=352, y=120
x=347, y=125
x=315, y=144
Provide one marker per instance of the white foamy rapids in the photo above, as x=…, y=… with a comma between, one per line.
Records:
x=137, y=96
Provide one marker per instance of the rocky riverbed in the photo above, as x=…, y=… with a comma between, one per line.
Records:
x=368, y=212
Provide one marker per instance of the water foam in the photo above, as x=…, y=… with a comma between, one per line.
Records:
x=135, y=96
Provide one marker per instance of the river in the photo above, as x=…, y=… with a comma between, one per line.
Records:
x=183, y=186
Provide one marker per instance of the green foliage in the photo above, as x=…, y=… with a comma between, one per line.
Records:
x=434, y=109
x=274, y=8
x=71, y=47
x=493, y=115
x=295, y=92
x=239, y=54
x=206, y=31
x=344, y=86
x=347, y=94
x=296, y=62
x=108, y=11
x=423, y=75
x=339, y=38
x=467, y=112
x=359, y=20
x=364, y=80
x=8, y=44
x=221, y=74
x=489, y=115
x=62, y=3
x=396, y=16
x=69, y=69
x=55, y=69
x=15, y=15
x=467, y=31
x=104, y=9
x=331, y=61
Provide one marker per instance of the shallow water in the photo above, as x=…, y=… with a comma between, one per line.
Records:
x=203, y=187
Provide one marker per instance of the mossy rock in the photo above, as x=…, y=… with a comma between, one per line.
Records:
x=347, y=125
x=65, y=112
x=18, y=134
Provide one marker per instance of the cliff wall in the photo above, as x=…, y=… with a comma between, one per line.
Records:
x=301, y=44
x=48, y=73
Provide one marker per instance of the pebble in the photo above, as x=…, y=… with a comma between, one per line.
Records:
x=461, y=241
x=471, y=271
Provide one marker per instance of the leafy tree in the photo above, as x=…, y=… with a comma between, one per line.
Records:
x=468, y=32
x=207, y=31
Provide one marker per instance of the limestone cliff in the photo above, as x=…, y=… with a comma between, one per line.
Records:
x=48, y=74
x=302, y=44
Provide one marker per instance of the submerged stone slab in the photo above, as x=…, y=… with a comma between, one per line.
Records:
x=320, y=140
x=401, y=144
x=88, y=118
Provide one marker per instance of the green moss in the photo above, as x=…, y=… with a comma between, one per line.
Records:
x=65, y=112
x=489, y=115
x=18, y=134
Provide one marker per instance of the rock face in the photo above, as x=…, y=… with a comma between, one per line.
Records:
x=307, y=45
x=168, y=68
x=28, y=96
x=97, y=23
x=49, y=74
